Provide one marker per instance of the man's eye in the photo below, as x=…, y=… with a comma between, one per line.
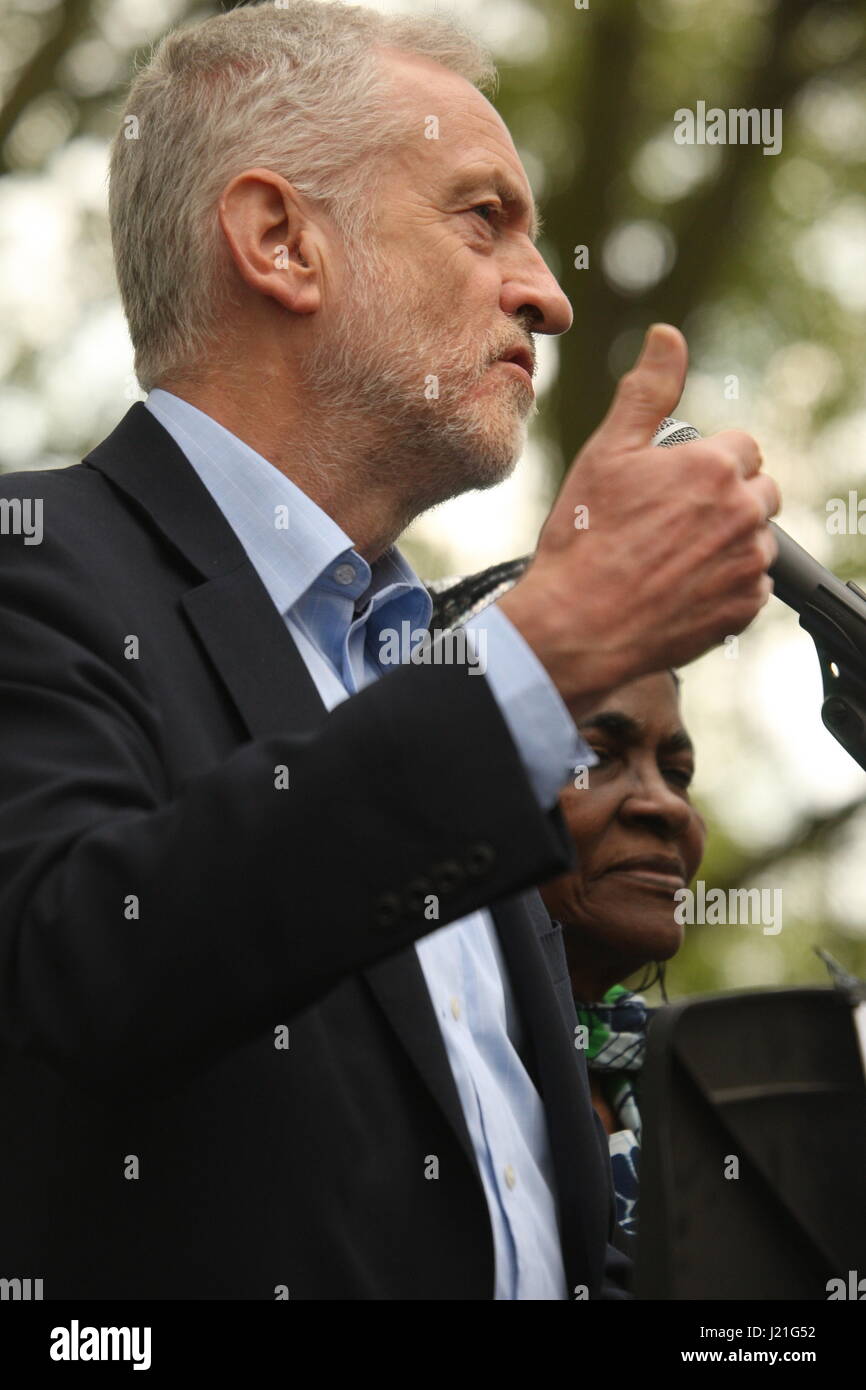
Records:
x=490, y=208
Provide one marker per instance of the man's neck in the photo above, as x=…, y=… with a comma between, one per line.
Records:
x=337, y=464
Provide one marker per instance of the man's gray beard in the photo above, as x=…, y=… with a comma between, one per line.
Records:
x=372, y=394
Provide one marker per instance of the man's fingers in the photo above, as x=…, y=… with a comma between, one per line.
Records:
x=650, y=391
x=766, y=489
x=744, y=448
x=770, y=546
x=761, y=534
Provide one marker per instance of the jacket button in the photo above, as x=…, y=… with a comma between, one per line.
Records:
x=447, y=876
x=418, y=890
x=479, y=859
x=387, y=911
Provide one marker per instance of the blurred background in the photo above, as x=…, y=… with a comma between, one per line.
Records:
x=760, y=259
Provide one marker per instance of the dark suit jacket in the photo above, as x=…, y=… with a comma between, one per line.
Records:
x=165, y=909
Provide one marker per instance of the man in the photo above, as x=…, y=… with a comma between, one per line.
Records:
x=244, y=1059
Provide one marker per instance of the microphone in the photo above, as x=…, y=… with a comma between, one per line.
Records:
x=833, y=611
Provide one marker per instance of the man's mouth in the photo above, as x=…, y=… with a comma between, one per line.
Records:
x=520, y=358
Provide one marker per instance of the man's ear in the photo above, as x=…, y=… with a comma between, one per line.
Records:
x=276, y=246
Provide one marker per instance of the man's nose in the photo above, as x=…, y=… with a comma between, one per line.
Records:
x=529, y=288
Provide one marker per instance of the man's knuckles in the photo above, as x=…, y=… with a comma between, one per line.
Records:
x=768, y=491
x=742, y=447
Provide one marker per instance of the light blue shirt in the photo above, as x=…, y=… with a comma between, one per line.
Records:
x=342, y=613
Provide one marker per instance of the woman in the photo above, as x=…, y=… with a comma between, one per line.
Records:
x=638, y=840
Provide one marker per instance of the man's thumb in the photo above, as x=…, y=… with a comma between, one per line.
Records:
x=651, y=390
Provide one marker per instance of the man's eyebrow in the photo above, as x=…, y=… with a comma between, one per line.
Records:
x=510, y=194
x=630, y=730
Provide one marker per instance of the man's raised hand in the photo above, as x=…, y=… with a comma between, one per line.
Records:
x=648, y=557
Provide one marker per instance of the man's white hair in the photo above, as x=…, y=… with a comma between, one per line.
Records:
x=299, y=87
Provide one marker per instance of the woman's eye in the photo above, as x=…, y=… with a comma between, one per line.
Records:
x=604, y=755
x=680, y=776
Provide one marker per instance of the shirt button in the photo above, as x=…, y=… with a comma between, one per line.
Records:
x=344, y=574
x=510, y=1176
x=455, y=1007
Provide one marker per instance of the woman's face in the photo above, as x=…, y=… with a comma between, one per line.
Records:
x=638, y=838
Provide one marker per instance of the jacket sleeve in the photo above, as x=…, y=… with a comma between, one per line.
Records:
x=146, y=931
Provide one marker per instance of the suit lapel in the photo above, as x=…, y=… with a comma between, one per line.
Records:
x=401, y=990
x=263, y=672
x=251, y=648
x=230, y=609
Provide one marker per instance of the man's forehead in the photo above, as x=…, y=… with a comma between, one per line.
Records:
x=474, y=151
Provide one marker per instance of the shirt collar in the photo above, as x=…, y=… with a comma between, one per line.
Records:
x=293, y=544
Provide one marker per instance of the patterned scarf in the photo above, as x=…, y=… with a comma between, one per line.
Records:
x=617, y=1045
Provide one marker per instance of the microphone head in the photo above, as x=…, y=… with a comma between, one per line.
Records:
x=671, y=432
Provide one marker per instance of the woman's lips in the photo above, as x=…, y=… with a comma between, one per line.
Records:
x=649, y=878
x=663, y=876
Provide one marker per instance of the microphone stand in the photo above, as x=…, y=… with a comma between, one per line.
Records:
x=834, y=615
